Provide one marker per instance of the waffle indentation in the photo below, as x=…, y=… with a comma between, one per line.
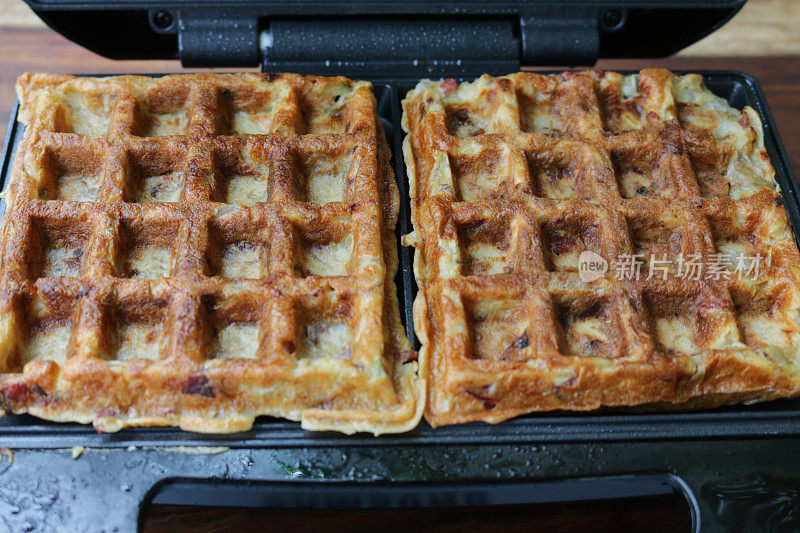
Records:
x=328, y=113
x=154, y=177
x=138, y=329
x=244, y=181
x=323, y=331
x=232, y=327
x=763, y=322
x=237, y=340
x=138, y=340
x=71, y=173
x=324, y=177
x=481, y=175
x=564, y=239
x=85, y=114
x=643, y=176
x=236, y=253
x=325, y=252
x=553, y=175
x=253, y=110
x=326, y=338
x=165, y=112
x=146, y=251
x=498, y=329
x=56, y=249
x=538, y=113
x=240, y=259
x=690, y=321
x=621, y=102
x=659, y=238
x=487, y=247
x=589, y=327
x=745, y=239
x=464, y=122
x=49, y=340
x=42, y=328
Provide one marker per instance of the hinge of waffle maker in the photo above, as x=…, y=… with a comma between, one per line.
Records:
x=401, y=45
x=211, y=39
x=564, y=35
x=396, y=46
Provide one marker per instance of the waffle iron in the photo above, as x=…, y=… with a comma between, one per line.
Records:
x=734, y=466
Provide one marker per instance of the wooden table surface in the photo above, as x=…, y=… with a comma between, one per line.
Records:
x=40, y=49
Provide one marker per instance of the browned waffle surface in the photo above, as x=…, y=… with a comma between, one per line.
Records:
x=515, y=179
x=199, y=250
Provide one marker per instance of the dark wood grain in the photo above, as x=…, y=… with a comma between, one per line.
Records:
x=44, y=50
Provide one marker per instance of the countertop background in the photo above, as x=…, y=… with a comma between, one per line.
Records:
x=762, y=40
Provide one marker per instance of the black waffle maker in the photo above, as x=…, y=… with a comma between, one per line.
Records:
x=736, y=467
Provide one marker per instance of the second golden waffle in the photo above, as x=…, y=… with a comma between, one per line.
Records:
x=595, y=239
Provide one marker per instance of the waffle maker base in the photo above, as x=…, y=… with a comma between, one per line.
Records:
x=734, y=466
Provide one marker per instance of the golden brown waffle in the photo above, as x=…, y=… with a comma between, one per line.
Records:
x=512, y=178
x=199, y=250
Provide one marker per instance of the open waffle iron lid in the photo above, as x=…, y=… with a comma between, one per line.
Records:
x=384, y=37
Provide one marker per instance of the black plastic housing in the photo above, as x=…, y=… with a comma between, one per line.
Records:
x=734, y=466
x=371, y=38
